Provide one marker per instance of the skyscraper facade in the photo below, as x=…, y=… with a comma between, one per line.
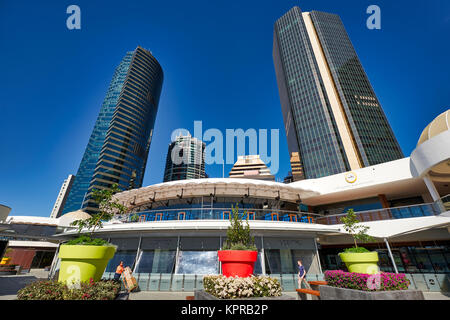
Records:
x=62, y=196
x=185, y=159
x=118, y=147
x=332, y=116
x=251, y=167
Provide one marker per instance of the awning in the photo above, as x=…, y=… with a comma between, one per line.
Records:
x=398, y=227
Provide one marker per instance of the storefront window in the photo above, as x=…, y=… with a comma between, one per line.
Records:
x=197, y=262
x=438, y=261
x=423, y=261
x=127, y=257
x=156, y=261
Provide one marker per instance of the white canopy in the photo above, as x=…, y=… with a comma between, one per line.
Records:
x=397, y=227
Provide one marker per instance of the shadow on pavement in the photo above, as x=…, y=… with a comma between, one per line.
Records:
x=11, y=284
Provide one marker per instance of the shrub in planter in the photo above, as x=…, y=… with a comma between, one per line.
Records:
x=239, y=252
x=54, y=290
x=224, y=287
x=358, y=259
x=86, y=257
x=367, y=282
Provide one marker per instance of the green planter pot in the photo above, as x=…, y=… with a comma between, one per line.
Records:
x=81, y=263
x=365, y=262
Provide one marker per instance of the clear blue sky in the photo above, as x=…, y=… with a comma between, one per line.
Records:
x=217, y=61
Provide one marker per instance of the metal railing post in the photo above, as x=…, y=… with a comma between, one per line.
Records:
x=390, y=255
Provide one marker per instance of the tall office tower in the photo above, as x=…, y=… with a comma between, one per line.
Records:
x=296, y=166
x=185, y=159
x=251, y=167
x=118, y=147
x=62, y=196
x=332, y=116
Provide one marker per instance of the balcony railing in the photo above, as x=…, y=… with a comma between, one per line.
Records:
x=218, y=214
x=420, y=210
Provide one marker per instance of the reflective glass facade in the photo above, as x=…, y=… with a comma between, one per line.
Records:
x=310, y=126
x=371, y=130
x=323, y=98
x=92, y=152
x=185, y=159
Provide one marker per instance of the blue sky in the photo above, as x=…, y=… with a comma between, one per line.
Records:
x=217, y=61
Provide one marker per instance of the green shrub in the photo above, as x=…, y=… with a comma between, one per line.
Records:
x=235, y=287
x=356, y=250
x=87, y=241
x=238, y=235
x=54, y=290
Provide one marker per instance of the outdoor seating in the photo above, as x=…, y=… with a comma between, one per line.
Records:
x=289, y=217
x=226, y=215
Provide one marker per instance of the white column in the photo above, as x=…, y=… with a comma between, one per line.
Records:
x=263, y=258
x=390, y=255
x=317, y=255
x=431, y=188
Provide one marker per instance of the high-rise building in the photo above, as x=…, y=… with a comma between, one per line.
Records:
x=185, y=159
x=62, y=197
x=332, y=116
x=118, y=147
x=296, y=166
x=251, y=167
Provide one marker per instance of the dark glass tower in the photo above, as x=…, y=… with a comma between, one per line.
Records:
x=185, y=159
x=332, y=116
x=118, y=148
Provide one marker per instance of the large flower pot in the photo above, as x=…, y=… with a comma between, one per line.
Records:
x=5, y=261
x=81, y=263
x=364, y=262
x=238, y=263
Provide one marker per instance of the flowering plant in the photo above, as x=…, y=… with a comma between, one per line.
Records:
x=235, y=287
x=367, y=282
x=54, y=290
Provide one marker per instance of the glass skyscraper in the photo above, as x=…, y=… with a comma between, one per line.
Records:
x=332, y=116
x=118, y=147
x=185, y=159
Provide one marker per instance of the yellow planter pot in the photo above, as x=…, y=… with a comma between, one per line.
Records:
x=365, y=262
x=5, y=261
x=81, y=263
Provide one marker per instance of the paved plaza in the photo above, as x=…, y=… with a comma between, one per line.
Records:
x=9, y=285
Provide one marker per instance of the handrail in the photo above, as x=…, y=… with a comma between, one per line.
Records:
x=228, y=209
x=381, y=209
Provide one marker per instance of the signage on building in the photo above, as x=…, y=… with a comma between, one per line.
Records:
x=350, y=177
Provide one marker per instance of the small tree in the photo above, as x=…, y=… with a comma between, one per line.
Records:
x=238, y=235
x=356, y=230
x=108, y=208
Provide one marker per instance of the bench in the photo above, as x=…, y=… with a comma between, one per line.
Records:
x=309, y=291
x=314, y=291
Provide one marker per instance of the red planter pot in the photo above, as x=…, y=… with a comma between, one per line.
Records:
x=237, y=262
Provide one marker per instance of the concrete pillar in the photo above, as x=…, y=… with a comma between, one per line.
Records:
x=431, y=188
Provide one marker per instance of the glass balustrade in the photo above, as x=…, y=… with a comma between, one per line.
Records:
x=420, y=210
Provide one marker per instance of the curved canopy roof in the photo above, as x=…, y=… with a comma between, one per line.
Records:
x=232, y=187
